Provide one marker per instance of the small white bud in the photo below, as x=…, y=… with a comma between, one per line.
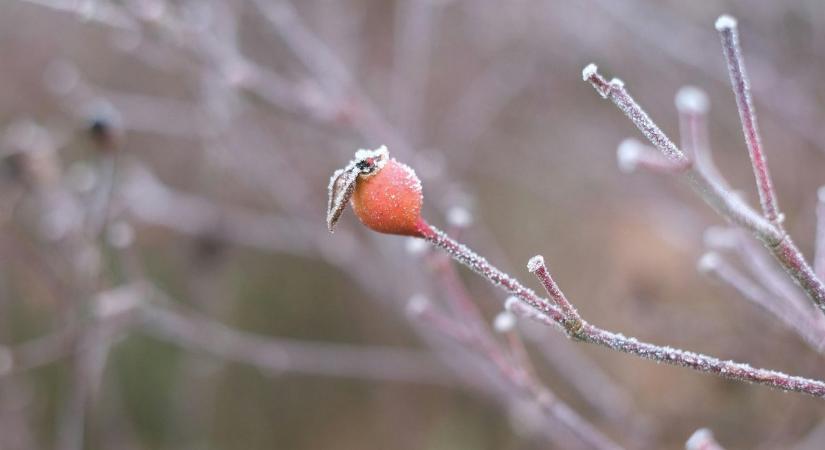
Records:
x=692, y=100
x=416, y=246
x=627, y=155
x=699, y=439
x=504, y=322
x=120, y=234
x=708, y=262
x=417, y=305
x=460, y=217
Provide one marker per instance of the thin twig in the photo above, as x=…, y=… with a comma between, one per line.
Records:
x=819, y=255
x=693, y=106
x=729, y=33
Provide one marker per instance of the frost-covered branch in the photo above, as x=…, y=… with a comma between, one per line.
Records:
x=540, y=309
x=729, y=33
x=723, y=201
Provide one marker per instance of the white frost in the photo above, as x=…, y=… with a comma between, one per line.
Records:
x=417, y=305
x=589, y=71
x=380, y=154
x=693, y=100
x=504, y=322
x=708, y=262
x=416, y=246
x=535, y=263
x=460, y=217
x=627, y=155
x=725, y=22
x=699, y=439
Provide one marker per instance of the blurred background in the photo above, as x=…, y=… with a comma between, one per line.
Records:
x=168, y=281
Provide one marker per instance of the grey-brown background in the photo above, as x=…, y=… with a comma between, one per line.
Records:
x=490, y=97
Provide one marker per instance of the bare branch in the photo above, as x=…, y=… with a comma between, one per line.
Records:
x=541, y=310
x=729, y=33
x=725, y=203
x=819, y=255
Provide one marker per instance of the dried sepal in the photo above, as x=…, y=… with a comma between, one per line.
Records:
x=341, y=187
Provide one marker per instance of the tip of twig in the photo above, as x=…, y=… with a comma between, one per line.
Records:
x=589, y=71
x=591, y=74
x=627, y=155
x=417, y=305
x=504, y=322
x=708, y=262
x=699, y=439
x=535, y=263
x=725, y=22
x=692, y=100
